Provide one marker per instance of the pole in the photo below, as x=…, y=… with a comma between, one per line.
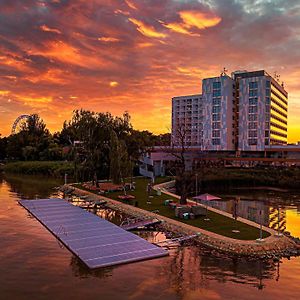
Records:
x=196, y=184
x=260, y=228
x=66, y=178
x=278, y=229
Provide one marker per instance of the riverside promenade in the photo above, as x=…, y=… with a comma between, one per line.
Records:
x=272, y=245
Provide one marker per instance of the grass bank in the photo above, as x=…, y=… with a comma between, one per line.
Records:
x=218, y=223
x=49, y=168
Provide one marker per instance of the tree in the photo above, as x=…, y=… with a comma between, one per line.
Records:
x=3, y=148
x=31, y=142
x=178, y=149
x=120, y=165
x=92, y=133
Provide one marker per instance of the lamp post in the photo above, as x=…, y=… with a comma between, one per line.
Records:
x=278, y=222
x=196, y=184
x=260, y=239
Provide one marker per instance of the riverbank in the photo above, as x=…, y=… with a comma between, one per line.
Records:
x=272, y=245
x=49, y=168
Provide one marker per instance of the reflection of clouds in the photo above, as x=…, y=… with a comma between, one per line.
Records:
x=31, y=256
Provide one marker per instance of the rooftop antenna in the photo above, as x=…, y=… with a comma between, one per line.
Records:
x=277, y=76
x=223, y=72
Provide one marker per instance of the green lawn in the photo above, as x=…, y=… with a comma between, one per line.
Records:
x=218, y=223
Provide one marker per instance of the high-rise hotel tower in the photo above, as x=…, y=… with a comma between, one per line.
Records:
x=247, y=112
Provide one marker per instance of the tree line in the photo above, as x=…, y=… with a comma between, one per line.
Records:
x=99, y=144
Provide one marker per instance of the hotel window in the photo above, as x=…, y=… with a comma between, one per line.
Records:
x=216, y=133
x=253, y=93
x=252, y=125
x=252, y=133
x=252, y=141
x=252, y=109
x=216, y=93
x=268, y=84
x=216, y=109
x=253, y=85
x=216, y=101
x=216, y=85
x=252, y=101
x=216, y=117
x=216, y=141
x=216, y=125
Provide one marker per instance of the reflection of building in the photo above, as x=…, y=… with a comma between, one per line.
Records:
x=249, y=209
x=277, y=216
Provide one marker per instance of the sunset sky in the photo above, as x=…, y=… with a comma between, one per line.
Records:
x=135, y=55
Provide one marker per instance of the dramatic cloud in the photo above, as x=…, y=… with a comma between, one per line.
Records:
x=146, y=30
x=194, y=19
x=135, y=55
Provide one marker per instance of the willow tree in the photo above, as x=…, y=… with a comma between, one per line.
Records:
x=120, y=165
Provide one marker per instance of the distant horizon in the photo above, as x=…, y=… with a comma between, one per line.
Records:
x=127, y=55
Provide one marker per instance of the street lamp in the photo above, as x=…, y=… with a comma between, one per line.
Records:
x=278, y=222
x=196, y=184
x=260, y=239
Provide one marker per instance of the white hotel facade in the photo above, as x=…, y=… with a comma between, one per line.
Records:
x=245, y=112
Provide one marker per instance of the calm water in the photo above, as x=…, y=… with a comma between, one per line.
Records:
x=33, y=265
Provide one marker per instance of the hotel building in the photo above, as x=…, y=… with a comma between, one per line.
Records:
x=244, y=112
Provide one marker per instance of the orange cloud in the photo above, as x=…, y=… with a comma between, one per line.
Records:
x=55, y=76
x=180, y=28
x=108, y=39
x=199, y=19
x=144, y=45
x=146, y=30
x=4, y=93
x=67, y=53
x=194, y=19
x=113, y=84
x=48, y=29
x=131, y=4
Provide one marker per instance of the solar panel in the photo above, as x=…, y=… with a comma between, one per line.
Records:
x=97, y=242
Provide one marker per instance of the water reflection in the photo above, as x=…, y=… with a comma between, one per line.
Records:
x=82, y=271
x=32, y=257
x=272, y=211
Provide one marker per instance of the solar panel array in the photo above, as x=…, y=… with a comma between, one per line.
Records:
x=97, y=242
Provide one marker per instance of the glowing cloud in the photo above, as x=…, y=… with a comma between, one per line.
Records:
x=146, y=30
x=131, y=4
x=108, y=39
x=193, y=19
x=48, y=29
x=4, y=93
x=180, y=28
x=199, y=19
x=113, y=84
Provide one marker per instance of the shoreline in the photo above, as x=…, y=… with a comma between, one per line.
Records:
x=272, y=246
